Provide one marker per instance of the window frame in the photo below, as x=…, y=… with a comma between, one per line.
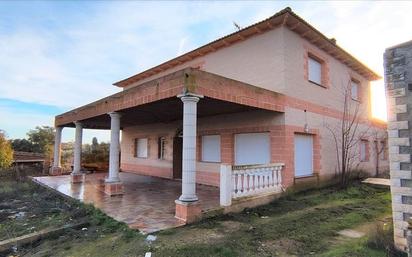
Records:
x=202, y=157
x=312, y=138
x=357, y=83
x=137, y=147
x=161, y=149
x=364, y=142
x=321, y=63
x=235, y=145
x=384, y=153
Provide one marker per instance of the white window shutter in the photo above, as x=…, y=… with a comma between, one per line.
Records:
x=363, y=151
x=315, y=71
x=303, y=155
x=252, y=148
x=355, y=90
x=211, y=148
x=142, y=147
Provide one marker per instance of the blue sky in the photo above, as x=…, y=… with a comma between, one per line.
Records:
x=57, y=55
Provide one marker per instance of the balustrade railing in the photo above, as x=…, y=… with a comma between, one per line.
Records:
x=249, y=180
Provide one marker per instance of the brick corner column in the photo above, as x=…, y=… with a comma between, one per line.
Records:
x=113, y=185
x=77, y=176
x=397, y=63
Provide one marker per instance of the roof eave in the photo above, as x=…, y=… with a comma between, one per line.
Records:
x=283, y=18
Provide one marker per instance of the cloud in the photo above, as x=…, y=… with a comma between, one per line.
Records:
x=182, y=46
x=67, y=55
x=67, y=59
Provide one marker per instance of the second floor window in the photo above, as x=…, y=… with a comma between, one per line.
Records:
x=355, y=90
x=314, y=70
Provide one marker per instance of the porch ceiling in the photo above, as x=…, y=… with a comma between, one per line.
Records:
x=156, y=101
x=164, y=111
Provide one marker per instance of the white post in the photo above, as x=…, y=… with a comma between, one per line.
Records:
x=226, y=186
x=77, y=148
x=189, y=148
x=57, y=146
x=114, y=148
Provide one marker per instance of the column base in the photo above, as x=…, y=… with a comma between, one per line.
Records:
x=55, y=171
x=113, y=188
x=188, y=212
x=77, y=178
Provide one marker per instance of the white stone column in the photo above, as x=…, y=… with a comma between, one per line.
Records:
x=78, y=148
x=57, y=148
x=226, y=186
x=189, y=148
x=114, y=148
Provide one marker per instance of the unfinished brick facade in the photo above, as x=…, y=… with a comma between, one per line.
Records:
x=252, y=81
x=398, y=82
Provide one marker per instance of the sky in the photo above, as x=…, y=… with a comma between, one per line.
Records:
x=58, y=55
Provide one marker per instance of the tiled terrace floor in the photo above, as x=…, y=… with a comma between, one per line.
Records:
x=148, y=203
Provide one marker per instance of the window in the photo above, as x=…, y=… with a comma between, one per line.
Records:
x=364, y=150
x=141, y=147
x=161, y=148
x=211, y=148
x=355, y=90
x=315, y=71
x=384, y=153
x=252, y=148
x=303, y=155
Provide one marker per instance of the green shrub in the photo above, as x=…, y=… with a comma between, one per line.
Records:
x=381, y=238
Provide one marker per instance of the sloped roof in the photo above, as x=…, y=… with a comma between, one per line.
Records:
x=19, y=156
x=285, y=17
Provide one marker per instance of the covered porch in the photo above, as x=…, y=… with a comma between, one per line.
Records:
x=179, y=98
x=147, y=203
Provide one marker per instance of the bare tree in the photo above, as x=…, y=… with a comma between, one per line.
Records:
x=347, y=134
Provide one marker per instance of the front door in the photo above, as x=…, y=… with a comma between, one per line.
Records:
x=177, y=157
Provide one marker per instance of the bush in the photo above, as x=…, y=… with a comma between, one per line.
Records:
x=381, y=238
x=359, y=174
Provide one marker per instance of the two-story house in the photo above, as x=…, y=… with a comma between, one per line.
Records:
x=250, y=112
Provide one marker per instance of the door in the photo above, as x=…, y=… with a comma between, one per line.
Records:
x=303, y=155
x=177, y=157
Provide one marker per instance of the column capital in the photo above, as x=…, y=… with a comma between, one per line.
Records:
x=114, y=114
x=78, y=123
x=190, y=97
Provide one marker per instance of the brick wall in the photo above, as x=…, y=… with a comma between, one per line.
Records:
x=398, y=82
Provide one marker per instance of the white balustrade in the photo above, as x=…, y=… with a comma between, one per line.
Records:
x=249, y=180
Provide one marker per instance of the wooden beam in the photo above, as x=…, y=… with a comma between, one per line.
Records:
x=259, y=31
x=212, y=48
x=270, y=25
x=224, y=41
x=285, y=19
x=304, y=34
x=295, y=26
x=316, y=39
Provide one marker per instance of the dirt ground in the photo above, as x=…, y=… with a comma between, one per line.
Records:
x=304, y=224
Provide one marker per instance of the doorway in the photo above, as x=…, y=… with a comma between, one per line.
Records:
x=177, y=155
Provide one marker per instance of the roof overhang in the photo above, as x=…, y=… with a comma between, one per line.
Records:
x=285, y=18
x=156, y=100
